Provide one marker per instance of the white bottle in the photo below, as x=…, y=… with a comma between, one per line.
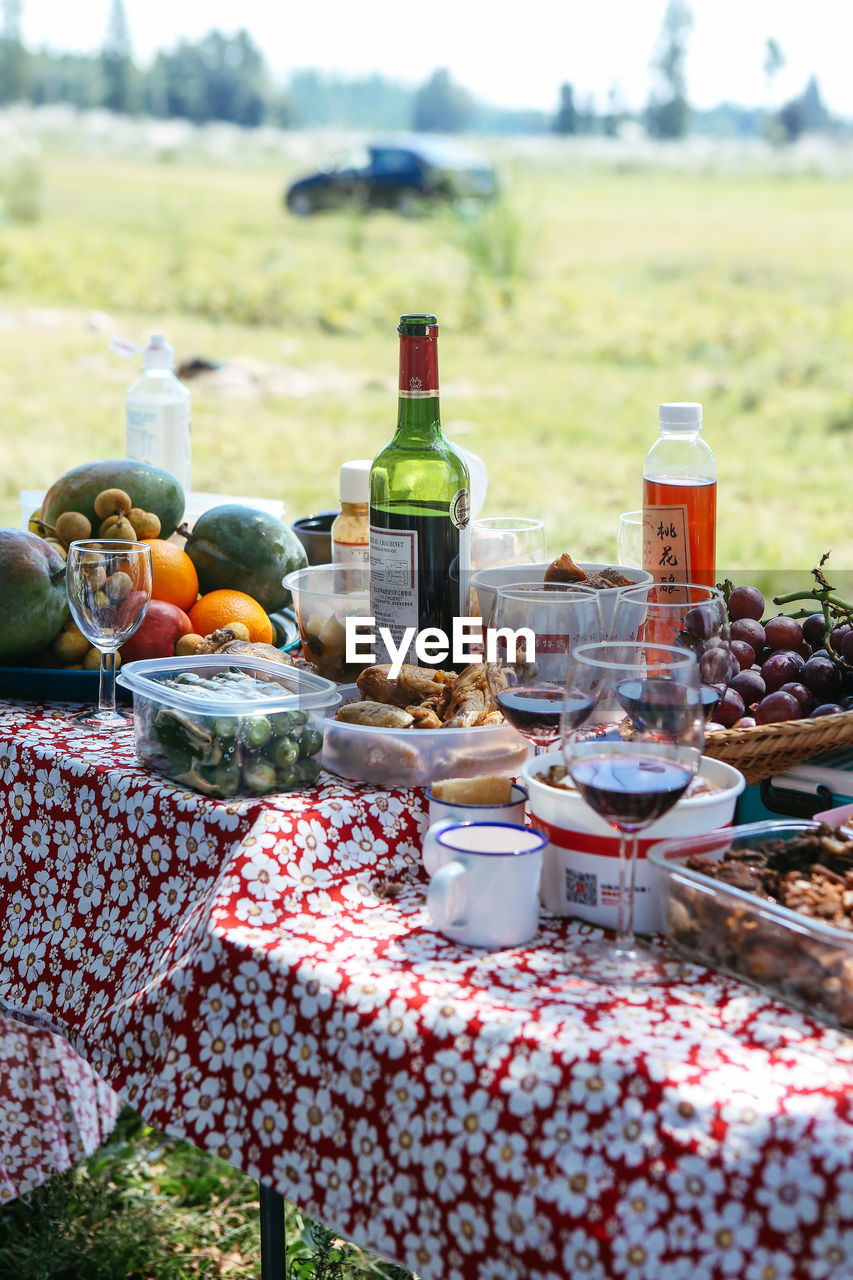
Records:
x=157, y=413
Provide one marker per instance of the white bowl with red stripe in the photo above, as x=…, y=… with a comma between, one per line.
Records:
x=580, y=870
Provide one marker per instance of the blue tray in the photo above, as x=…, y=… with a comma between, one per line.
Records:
x=51, y=684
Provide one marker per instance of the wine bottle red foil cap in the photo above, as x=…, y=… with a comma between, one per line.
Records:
x=418, y=356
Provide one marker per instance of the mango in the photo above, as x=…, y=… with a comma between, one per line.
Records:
x=32, y=588
x=150, y=488
x=247, y=550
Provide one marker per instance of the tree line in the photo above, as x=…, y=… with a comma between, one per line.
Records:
x=225, y=77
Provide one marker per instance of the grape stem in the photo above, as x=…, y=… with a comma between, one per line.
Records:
x=823, y=593
x=821, y=596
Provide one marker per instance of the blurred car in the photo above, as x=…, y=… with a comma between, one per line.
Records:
x=396, y=175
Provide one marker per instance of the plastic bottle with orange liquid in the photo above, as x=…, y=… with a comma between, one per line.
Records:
x=680, y=499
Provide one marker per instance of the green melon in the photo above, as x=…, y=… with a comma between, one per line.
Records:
x=150, y=488
x=32, y=588
x=246, y=550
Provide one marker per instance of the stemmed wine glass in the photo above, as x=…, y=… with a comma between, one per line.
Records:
x=531, y=633
x=109, y=587
x=688, y=615
x=632, y=773
x=504, y=540
x=629, y=540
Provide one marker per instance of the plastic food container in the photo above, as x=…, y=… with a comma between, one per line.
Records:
x=228, y=725
x=580, y=870
x=324, y=596
x=802, y=961
x=417, y=757
x=486, y=582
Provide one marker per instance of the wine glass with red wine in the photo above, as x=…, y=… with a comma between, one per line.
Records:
x=532, y=631
x=632, y=738
x=688, y=615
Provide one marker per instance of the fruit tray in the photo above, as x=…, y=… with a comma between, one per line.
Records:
x=51, y=684
x=765, y=750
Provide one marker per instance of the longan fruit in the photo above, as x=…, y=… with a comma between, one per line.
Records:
x=96, y=575
x=189, y=644
x=72, y=525
x=146, y=523
x=92, y=661
x=58, y=546
x=118, y=586
x=112, y=502
x=116, y=526
x=70, y=645
x=239, y=630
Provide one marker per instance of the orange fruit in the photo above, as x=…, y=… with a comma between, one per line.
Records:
x=174, y=578
x=218, y=608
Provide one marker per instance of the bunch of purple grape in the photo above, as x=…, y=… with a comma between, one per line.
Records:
x=790, y=669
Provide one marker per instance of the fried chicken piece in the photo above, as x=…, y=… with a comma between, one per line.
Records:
x=425, y=716
x=472, y=698
x=381, y=715
x=414, y=684
x=564, y=570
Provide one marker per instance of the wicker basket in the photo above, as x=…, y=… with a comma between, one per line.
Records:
x=768, y=749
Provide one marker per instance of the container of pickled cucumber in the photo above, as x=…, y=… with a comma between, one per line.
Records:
x=228, y=725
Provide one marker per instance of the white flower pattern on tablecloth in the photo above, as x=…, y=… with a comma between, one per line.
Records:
x=262, y=976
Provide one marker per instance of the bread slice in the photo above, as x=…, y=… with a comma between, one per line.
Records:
x=486, y=789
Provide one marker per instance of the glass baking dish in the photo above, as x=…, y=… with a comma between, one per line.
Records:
x=801, y=960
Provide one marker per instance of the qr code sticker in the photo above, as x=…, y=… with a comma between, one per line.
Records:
x=582, y=887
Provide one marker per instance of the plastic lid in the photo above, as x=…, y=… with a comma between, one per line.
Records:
x=680, y=415
x=355, y=480
x=158, y=354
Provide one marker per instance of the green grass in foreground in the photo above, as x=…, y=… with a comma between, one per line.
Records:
x=568, y=312
x=149, y=1207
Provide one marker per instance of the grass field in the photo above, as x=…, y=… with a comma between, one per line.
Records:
x=568, y=311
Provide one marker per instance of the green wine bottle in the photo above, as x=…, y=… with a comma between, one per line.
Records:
x=419, y=504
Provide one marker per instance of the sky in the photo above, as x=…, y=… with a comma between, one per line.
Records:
x=509, y=54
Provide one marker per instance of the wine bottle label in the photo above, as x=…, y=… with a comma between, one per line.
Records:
x=666, y=543
x=393, y=582
x=416, y=391
x=460, y=508
x=357, y=553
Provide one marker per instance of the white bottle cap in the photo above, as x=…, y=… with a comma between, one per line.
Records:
x=158, y=354
x=355, y=480
x=680, y=415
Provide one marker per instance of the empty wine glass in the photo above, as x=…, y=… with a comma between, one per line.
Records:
x=629, y=540
x=632, y=773
x=688, y=615
x=109, y=587
x=498, y=540
x=529, y=641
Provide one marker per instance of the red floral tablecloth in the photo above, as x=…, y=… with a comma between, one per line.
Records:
x=263, y=978
x=54, y=1109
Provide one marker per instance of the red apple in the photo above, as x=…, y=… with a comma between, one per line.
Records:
x=157, y=633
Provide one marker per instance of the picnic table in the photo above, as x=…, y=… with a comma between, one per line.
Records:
x=262, y=978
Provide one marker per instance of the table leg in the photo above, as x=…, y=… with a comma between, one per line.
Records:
x=272, y=1234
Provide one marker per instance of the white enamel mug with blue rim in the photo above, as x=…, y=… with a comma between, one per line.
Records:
x=487, y=893
x=449, y=813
